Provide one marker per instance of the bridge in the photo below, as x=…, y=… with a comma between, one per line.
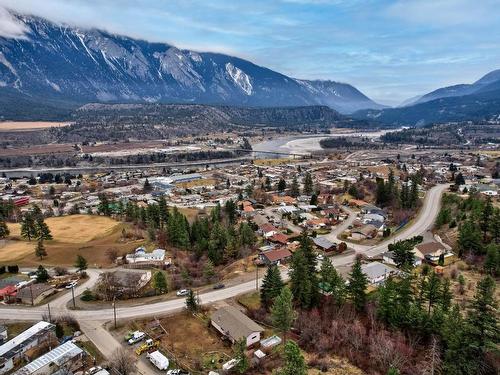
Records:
x=299, y=155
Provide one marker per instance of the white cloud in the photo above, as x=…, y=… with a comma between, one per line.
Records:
x=445, y=12
x=10, y=27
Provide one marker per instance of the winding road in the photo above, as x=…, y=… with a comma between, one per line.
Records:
x=91, y=321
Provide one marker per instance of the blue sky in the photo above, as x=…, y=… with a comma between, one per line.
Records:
x=390, y=50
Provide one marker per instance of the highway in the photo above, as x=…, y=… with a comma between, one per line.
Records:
x=92, y=321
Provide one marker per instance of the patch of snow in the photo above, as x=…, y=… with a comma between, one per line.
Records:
x=55, y=86
x=80, y=36
x=240, y=78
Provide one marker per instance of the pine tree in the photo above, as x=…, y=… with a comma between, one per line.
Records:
x=159, y=282
x=41, y=274
x=469, y=239
x=192, y=303
x=333, y=281
x=104, y=207
x=294, y=188
x=208, y=270
x=42, y=229
x=239, y=349
x=282, y=312
x=445, y=296
x=230, y=211
x=40, y=251
x=483, y=318
x=357, y=286
x=272, y=284
x=281, y=185
x=80, y=263
x=247, y=235
x=28, y=226
x=432, y=290
x=495, y=226
x=485, y=219
x=308, y=184
x=294, y=361
x=492, y=260
x=4, y=229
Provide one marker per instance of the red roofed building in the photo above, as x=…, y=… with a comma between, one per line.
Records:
x=279, y=238
x=278, y=256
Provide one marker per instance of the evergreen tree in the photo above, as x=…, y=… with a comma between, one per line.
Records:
x=247, y=235
x=492, y=260
x=446, y=296
x=239, y=349
x=28, y=226
x=282, y=312
x=272, y=284
x=281, y=185
x=42, y=275
x=404, y=256
x=308, y=184
x=332, y=280
x=469, y=239
x=40, y=251
x=217, y=244
x=357, y=286
x=104, y=207
x=432, y=290
x=230, y=211
x=485, y=219
x=495, y=226
x=483, y=318
x=208, y=270
x=192, y=303
x=4, y=229
x=159, y=282
x=294, y=361
x=80, y=263
x=294, y=188
x=147, y=186
x=42, y=229
x=267, y=184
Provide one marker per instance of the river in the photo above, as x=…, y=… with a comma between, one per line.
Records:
x=305, y=144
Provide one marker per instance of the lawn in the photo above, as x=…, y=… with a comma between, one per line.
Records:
x=250, y=301
x=88, y=235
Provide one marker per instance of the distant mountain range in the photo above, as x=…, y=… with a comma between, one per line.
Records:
x=477, y=101
x=59, y=67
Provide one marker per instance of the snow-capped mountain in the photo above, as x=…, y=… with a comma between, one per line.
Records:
x=57, y=64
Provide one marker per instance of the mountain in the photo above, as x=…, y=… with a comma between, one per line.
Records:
x=477, y=102
x=481, y=85
x=64, y=67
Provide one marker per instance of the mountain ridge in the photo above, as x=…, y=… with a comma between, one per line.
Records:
x=68, y=64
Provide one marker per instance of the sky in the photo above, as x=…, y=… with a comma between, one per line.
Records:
x=390, y=50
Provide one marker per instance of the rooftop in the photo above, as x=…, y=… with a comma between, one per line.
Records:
x=19, y=341
x=234, y=323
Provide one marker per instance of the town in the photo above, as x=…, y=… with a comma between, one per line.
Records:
x=199, y=270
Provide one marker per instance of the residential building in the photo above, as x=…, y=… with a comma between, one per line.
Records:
x=235, y=325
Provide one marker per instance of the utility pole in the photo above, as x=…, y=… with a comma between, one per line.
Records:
x=31, y=293
x=114, y=309
x=50, y=316
x=73, y=295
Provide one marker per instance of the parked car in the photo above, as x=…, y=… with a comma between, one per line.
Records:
x=72, y=285
x=136, y=337
x=182, y=292
x=177, y=372
x=218, y=286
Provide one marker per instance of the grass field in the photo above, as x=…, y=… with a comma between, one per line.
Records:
x=87, y=235
x=29, y=125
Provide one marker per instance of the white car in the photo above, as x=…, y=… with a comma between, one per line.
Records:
x=182, y=292
x=72, y=284
x=136, y=337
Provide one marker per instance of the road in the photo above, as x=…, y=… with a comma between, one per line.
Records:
x=92, y=321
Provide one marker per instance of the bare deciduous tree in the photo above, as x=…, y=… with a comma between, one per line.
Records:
x=122, y=362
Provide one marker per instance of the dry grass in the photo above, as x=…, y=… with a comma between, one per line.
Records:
x=87, y=235
x=74, y=228
x=195, y=183
x=29, y=125
x=273, y=162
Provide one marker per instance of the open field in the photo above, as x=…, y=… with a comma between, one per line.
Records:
x=29, y=125
x=37, y=150
x=87, y=235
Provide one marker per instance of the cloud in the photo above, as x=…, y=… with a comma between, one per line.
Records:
x=10, y=27
x=444, y=13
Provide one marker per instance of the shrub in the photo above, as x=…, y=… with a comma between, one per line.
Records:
x=87, y=296
x=13, y=269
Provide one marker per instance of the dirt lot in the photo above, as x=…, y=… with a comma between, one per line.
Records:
x=87, y=235
x=29, y=125
x=191, y=342
x=37, y=150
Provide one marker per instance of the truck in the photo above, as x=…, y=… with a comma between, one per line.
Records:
x=158, y=360
x=136, y=337
x=148, y=344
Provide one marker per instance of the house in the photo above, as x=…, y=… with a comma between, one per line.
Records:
x=431, y=251
x=140, y=255
x=12, y=351
x=248, y=211
x=235, y=325
x=34, y=293
x=67, y=357
x=365, y=232
x=324, y=244
x=286, y=199
x=267, y=230
x=275, y=256
x=279, y=238
x=8, y=293
x=377, y=272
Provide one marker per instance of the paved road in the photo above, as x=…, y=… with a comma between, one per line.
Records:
x=92, y=320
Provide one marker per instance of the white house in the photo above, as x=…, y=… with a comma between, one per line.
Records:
x=377, y=272
x=235, y=325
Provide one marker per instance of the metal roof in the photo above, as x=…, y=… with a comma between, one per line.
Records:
x=60, y=355
x=23, y=337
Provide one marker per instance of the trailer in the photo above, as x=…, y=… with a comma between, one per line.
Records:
x=158, y=360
